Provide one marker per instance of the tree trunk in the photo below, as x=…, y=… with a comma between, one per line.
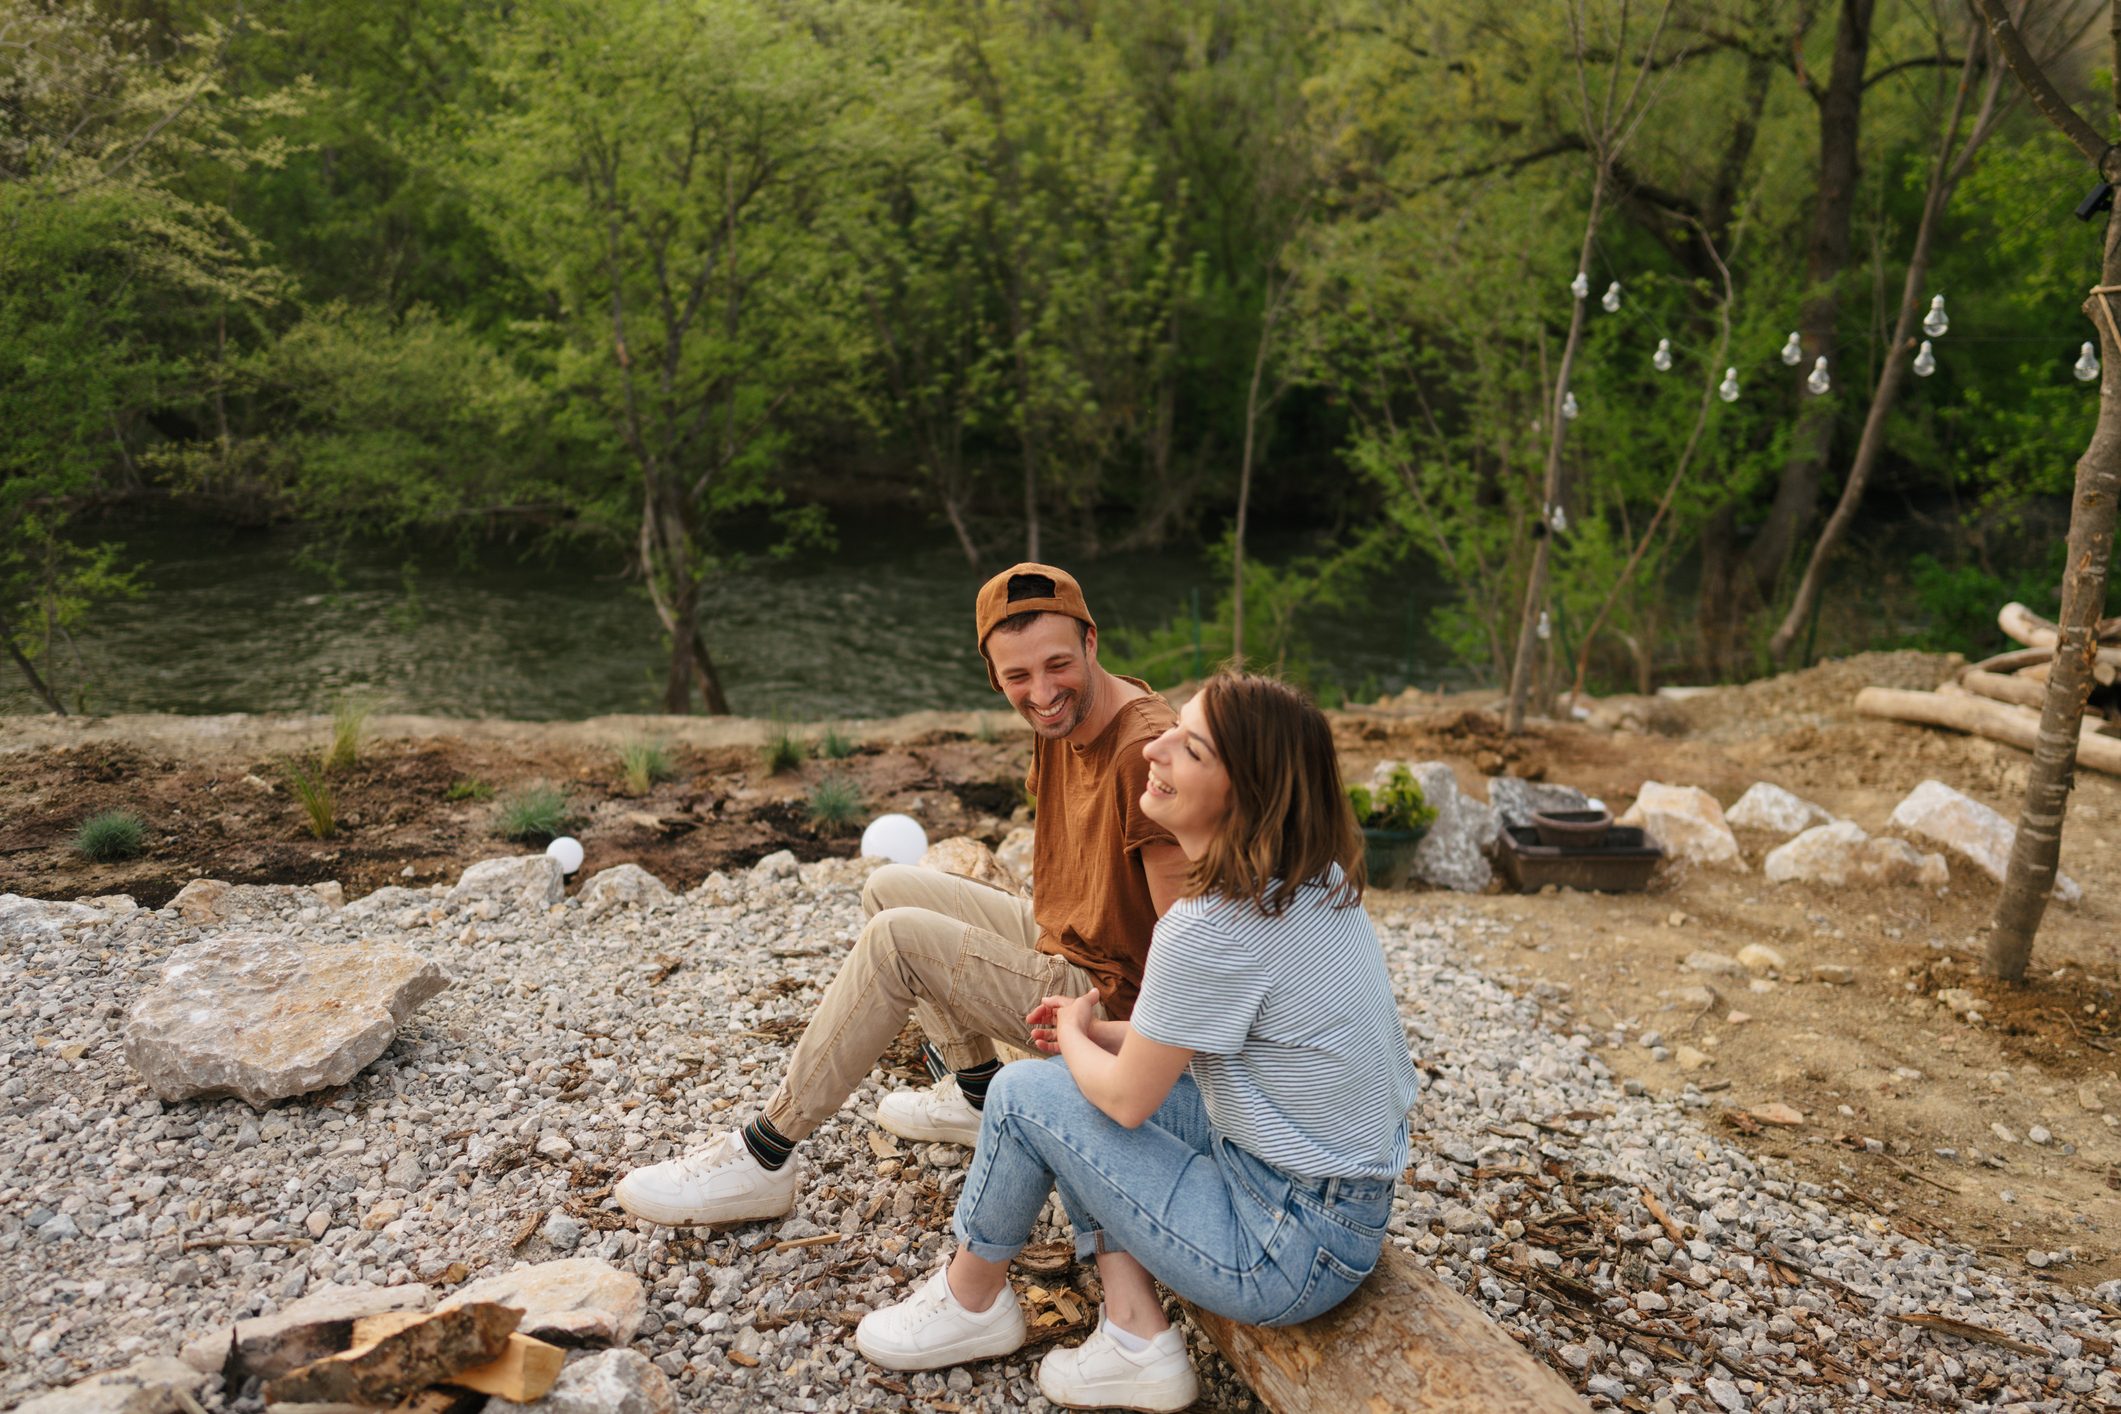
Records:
x=2038, y=849
x=1244, y=480
x=29, y=670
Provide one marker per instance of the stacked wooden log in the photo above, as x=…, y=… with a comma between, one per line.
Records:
x=2001, y=697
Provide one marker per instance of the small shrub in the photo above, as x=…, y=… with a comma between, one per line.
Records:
x=349, y=722
x=835, y=745
x=534, y=814
x=470, y=788
x=644, y=763
x=1397, y=806
x=315, y=796
x=982, y=728
x=112, y=835
x=835, y=805
x=784, y=751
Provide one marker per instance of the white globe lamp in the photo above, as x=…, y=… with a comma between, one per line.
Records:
x=898, y=838
x=568, y=850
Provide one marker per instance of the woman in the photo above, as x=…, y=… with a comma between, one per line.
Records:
x=1237, y=1139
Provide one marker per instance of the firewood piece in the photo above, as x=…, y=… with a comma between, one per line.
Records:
x=2028, y=628
x=404, y=1352
x=2018, y=660
x=524, y=1371
x=1998, y=721
x=1403, y=1341
x=2021, y=691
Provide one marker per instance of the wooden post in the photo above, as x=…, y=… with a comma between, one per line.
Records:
x=1404, y=1343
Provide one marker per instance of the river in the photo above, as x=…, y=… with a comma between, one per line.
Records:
x=234, y=621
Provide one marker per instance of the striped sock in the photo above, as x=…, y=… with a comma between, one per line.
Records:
x=972, y=1082
x=767, y=1144
x=938, y=1069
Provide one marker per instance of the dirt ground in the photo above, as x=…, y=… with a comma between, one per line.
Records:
x=1876, y=1059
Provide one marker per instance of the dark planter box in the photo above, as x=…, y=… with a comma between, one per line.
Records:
x=1622, y=864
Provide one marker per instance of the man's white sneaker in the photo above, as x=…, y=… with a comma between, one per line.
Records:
x=929, y=1329
x=719, y=1184
x=940, y=1113
x=1102, y=1374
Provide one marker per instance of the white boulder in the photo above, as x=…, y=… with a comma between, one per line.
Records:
x=1770, y=807
x=1687, y=822
x=1935, y=812
x=532, y=881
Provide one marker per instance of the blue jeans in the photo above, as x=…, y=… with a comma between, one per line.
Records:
x=1227, y=1231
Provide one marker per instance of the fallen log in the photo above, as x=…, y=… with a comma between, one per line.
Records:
x=2024, y=626
x=2013, y=662
x=1985, y=717
x=1403, y=1342
x=2020, y=691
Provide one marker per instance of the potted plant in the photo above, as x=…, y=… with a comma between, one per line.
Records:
x=1393, y=817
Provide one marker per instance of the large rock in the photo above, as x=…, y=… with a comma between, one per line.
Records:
x=1515, y=800
x=251, y=1015
x=149, y=1385
x=403, y=1362
x=390, y=901
x=1453, y=854
x=623, y=886
x=1771, y=808
x=320, y=1324
x=532, y=881
x=42, y=918
x=1963, y=825
x=1687, y=822
x=609, y=1382
x=967, y=858
x=211, y=901
x=1015, y=855
x=1841, y=853
x=577, y=1301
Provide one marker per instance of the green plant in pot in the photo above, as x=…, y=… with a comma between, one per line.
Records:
x=1393, y=817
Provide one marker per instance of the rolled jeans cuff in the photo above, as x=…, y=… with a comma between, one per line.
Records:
x=985, y=1251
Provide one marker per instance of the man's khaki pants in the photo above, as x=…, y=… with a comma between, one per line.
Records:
x=959, y=956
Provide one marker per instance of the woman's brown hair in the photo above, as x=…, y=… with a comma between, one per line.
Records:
x=1289, y=821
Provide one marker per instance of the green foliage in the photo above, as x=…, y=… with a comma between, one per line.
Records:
x=109, y=836
x=536, y=814
x=836, y=804
x=643, y=763
x=469, y=788
x=835, y=745
x=1398, y=806
x=349, y=722
x=784, y=751
x=314, y=794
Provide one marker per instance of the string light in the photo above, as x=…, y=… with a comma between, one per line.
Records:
x=1818, y=382
x=1728, y=388
x=1662, y=359
x=1934, y=323
x=1580, y=286
x=2087, y=365
x=1568, y=405
x=1793, y=352
x=1545, y=630
x=1558, y=519
x=1925, y=361
x=1611, y=299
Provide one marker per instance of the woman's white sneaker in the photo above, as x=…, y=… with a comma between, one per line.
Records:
x=721, y=1183
x=930, y=1329
x=938, y=1114
x=1102, y=1374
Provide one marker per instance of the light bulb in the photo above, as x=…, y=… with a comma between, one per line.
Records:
x=1558, y=519
x=1819, y=382
x=1925, y=361
x=898, y=838
x=1934, y=323
x=568, y=851
x=1611, y=299
x=1545, y=630
x=1662, y=359
x=1580, y=286
x=2087, y=365
x=1728, y=388
x=1568, y=406
x=1793, y=351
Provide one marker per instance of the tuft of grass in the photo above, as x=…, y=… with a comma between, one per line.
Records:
x=835, y=805
x=835, y=745
x=983, y=729
x=644, y=763
x=349, y=723
x=314, y=793
x=534, y=814
x=784, y=751
x=470, y=788
x=111, y=835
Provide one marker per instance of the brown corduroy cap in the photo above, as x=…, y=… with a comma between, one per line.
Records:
x=994, y=604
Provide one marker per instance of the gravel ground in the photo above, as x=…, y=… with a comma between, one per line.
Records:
x=573, y=1047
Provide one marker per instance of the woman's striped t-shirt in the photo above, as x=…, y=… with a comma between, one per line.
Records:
x=1298, y=1048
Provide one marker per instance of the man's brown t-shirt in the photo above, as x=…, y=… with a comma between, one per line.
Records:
x=1090, y=896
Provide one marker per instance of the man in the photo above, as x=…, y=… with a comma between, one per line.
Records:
x=969, y=961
